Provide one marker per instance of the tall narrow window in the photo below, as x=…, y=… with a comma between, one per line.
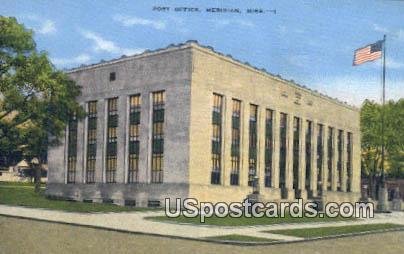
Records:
x=72, y=150
x=91, y=141
x=296, y=144
x=268, y=147
x=349, y=161
x=330, y=157
x=282, y=154
x=309, y=132
x=252, y=150
x=112, y=126
x=134, y=127
x=216, y=138
x=320, y=157
x=112, y=76
x=235, y=143
x=339, y=159
x=158, y=137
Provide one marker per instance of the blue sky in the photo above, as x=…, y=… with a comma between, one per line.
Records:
x=311, y=42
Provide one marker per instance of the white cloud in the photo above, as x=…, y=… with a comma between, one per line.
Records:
x=397, y=34
x=179, y=24
x=391, y=63
x=379, y=28
x=47, y=27
x=400, y=34
x=41, y=25
x=104, y=45
x=281, y=29
x=298, y=60
x=394, y=64
x=80, y=59
x=129, y=21
x=237, y=22
x=354, y=90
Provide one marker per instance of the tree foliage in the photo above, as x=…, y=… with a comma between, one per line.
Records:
x=36, y=100
x=371, y=117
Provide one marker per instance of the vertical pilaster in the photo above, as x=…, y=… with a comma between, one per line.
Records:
x=245, y=116
x=334, y=175
x=80, y=149
x=125, y=144
x=261, y=146
x=145, y=138
x=121, y=140
x=226, y=140
x=302, y=158
x=324, y=170
x=356, y=161
x=101, y=125
x=343, y=162
x=313, y=174
x=289, y=157
x=276, y=148
x=85, y=142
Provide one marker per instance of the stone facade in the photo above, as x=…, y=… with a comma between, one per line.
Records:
x=190, y=74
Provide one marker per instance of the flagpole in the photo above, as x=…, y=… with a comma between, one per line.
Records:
x=382, y=180
x=382, y=194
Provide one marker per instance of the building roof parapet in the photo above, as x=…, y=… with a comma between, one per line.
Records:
x=195, y=43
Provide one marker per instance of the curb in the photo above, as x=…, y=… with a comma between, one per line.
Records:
x=228, y=242
x=151, y=218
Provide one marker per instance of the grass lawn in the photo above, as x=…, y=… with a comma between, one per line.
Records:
x=19, y=184
x=243, y=221
x=18, y=194
x=240, y=238
x=333, y=231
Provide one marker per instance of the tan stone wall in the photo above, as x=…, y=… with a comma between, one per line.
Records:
x=190, y=74
x=340, y=197
x=212, y=73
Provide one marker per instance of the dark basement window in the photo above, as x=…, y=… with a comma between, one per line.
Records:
x=112, y=76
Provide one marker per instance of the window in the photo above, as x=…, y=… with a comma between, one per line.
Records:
x=252, y=150
x=282, y=153
x=320, y=157
x=235, y=143
x=339, y=159
x=91, y=141
x=158, y=99
x=349, y=161
x=330, y=157
x=112, y=76
x=268, y=147
x=309, y=134
x=216, y=138
x=296, y=143
x=134, y=127
x=112, y=126
x=72, y=150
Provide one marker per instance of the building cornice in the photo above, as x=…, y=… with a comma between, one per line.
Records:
x=211, y=51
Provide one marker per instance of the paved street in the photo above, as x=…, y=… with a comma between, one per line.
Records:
x=27, y=236
x=135, y=222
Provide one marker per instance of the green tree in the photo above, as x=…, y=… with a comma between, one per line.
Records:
x=36, y=99
x=395, y=138
x=371, y=115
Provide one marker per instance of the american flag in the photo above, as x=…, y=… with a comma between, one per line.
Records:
x=368, y=53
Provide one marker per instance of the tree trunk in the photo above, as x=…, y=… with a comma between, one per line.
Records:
x=37, y=178
x=370, y=186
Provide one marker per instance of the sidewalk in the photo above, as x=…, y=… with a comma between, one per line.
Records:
x=135, y=222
